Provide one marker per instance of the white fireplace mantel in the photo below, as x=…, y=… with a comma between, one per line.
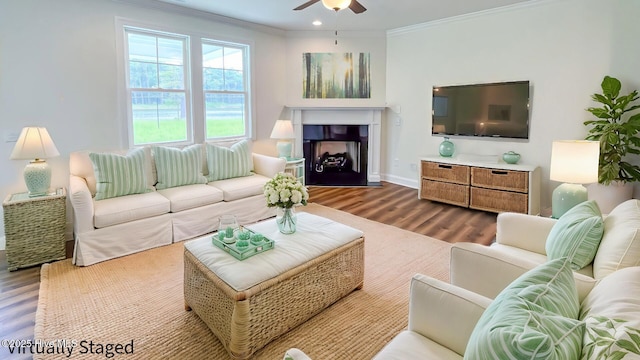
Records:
x=370, y=116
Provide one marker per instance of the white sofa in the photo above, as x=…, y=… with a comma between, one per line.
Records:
x=442, y=318
x=520, y=245
x=122, y=225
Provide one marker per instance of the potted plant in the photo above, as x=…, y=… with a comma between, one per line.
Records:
x=617, y=130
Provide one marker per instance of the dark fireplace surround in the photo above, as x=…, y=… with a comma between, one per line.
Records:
x=335, y=155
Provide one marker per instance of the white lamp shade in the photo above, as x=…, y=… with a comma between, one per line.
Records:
x=34, y=143
x=575, y=161
x=336, y=4
x=283, y=129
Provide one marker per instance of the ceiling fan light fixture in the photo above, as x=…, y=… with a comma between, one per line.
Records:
x=336, y=4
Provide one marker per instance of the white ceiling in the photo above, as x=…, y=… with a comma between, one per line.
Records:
x=380, y=15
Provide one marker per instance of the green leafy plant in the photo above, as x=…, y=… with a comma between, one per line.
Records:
x=617, y=132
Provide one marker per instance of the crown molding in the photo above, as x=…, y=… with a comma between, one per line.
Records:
x=466, y=17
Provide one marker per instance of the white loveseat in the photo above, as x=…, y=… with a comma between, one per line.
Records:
x=122, y=225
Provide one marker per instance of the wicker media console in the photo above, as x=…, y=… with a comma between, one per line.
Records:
x=480, y=183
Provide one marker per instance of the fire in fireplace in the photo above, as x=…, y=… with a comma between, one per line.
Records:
x=335, y=154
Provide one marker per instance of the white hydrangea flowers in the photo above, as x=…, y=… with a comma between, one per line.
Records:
x=285, y=191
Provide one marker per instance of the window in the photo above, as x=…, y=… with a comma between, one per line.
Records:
x=161, y=104
x=224, y=82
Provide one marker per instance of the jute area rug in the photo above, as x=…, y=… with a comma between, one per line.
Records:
x=139, y=298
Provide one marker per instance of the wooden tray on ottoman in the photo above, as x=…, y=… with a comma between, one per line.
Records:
x=245, y=321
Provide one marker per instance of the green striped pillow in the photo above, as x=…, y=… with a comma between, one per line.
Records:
x=177, y=167
x=118, y=175
x=226, y=163
x=533, y=318
x=577, y=235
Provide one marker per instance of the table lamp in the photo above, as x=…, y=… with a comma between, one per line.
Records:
x=35, y=144
x=574, y=162
x=283, y=131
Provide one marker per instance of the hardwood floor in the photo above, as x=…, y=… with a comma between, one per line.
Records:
x=390, y=204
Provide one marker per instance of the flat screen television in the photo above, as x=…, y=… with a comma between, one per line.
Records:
x=499, y=110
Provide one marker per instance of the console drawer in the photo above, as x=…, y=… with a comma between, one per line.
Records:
x=458, y=174
x=498, y=201
x=455, y=194
x=500, y=179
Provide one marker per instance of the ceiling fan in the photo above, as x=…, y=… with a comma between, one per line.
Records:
x=336, y=5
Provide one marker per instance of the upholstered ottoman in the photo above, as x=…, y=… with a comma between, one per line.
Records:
x=248, y=303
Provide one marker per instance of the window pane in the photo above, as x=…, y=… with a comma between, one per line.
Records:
x=171, y=77
x=213, y=79
x=225, y=115
x=158, y=117
x=233, y=80
x=170, y=51
x=143, y=75
x=142, y=47
x=233, y=58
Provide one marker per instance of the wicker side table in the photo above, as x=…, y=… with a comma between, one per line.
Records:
x=34, y=228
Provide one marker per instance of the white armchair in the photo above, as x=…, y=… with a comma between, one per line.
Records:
x=520, y=246
x=441, y=319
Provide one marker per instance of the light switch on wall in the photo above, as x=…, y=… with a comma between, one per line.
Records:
x=11, y=136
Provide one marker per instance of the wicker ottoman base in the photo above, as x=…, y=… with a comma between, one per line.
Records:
x=245, y=321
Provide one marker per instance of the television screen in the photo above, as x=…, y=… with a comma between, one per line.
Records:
x=493, y=110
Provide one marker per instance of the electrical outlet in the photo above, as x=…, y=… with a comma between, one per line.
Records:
x=414, y=167
x=398, y=121
x=396, y=162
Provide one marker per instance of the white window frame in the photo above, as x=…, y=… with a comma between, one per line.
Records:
x=196, y=132
x=246, y=50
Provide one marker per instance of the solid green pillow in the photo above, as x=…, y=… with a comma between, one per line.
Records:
x=231, y=162
x=533, y=318
x=577, y=235
x=177, y=167
x=119, y=175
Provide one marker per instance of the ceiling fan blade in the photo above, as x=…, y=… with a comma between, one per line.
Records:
x=356, y=7
x=306, y=5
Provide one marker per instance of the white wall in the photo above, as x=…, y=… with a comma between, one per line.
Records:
x=564, y=48
x=58, y=70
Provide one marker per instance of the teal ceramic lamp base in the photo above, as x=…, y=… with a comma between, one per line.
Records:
x=37, y=177
x=565, y=197
x=284, y=149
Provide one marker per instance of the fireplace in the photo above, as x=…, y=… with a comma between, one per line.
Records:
x=335, y=154
x=336, y=131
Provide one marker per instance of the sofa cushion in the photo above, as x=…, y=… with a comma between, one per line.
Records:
x=231, y=162
x=576, y=235
x=177, y=167
x=241, y=187
x=129, y=208
x=533, y=318
x=620, y=245
x=191, y=196
x=80, y=164
x=411, y=345
x=611, y=312
x=118, y=175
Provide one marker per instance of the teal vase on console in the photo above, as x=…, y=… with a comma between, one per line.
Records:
x=446, y=148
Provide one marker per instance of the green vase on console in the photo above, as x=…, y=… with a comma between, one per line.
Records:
x=446, y=148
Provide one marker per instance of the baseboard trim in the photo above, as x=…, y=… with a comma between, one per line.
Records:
x=411, y=183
